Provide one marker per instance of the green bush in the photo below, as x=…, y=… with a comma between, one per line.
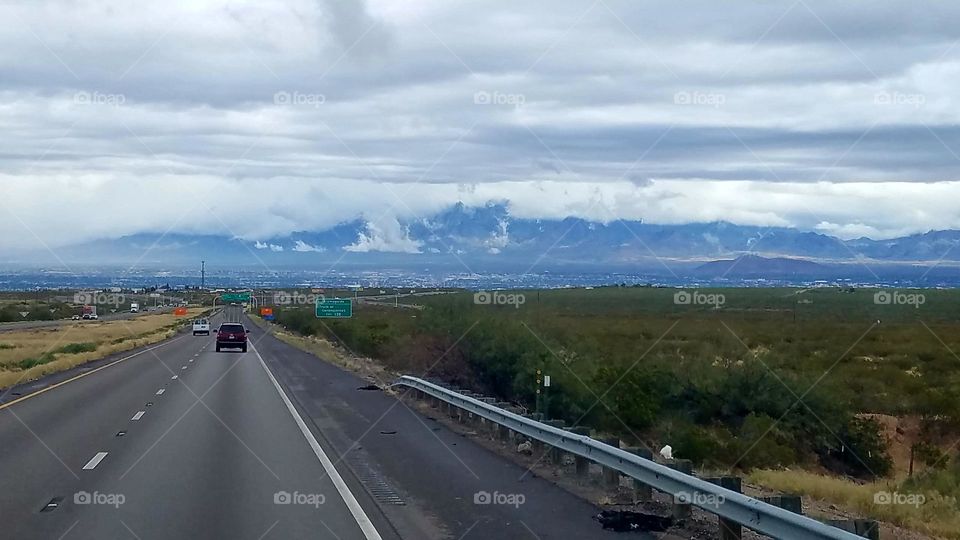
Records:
x=28, y=363
x=76, y=348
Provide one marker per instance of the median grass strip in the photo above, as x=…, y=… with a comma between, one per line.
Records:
x=30, y=354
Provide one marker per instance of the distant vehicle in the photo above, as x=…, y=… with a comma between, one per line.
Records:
x=232, y=336
x=201, y=326
x=75, y=318
x=89, y=312
x=93, y=316
x=134, y=307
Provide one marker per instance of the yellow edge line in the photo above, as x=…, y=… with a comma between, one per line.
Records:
x=82, y=375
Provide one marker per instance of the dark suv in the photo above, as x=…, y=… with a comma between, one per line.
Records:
x=232, y=336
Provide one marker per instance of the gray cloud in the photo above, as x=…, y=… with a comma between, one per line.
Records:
x=404, y=108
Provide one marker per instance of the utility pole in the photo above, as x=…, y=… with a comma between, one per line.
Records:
x=203, y=274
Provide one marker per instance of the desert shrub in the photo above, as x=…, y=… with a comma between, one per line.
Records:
x=28, y=363
x=76, y=348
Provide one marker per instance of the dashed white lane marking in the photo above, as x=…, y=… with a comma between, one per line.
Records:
x=94, y=461
x=184, y=367
x=366, y=526
x=191, y=360
x=160, y=392
x=139, y=415
x=175, y=377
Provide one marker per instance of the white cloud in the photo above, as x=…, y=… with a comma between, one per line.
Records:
x=272, y=247
x=386, y=236
x=303, y=247
x=44, y=211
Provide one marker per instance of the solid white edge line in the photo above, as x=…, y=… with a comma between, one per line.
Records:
x=94, y=461
x=369, y=531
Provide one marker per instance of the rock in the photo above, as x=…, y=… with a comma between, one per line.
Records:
x=525, y=448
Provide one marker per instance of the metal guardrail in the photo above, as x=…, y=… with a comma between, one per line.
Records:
x=749, y=512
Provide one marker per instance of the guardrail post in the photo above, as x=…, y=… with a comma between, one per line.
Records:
x=503, y=432
x=792, y=503
x=729, y=530
x=641, y=492
x=581, y=463
x=452, y=410
x=466, y=417
x=866, y=528
x=515, y=436
x=611, y=477
x=681, y=510
x=556, y=455
x=486, y=424
x=536, y=447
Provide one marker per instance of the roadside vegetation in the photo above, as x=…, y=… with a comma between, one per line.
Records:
x=824, y=380
x=26, y=355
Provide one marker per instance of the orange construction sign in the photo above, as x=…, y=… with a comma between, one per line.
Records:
x=180, y=311
x=266, y=311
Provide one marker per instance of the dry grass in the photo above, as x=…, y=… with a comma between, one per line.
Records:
x=42, y=345
x=937, y=516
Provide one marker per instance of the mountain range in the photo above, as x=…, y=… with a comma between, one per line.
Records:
x=488, y=238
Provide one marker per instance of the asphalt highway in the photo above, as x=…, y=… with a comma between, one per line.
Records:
x=178, y=441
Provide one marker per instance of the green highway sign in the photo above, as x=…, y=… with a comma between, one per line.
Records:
x=334, y=308
x=235, y=297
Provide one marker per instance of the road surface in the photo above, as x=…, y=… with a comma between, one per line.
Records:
x=179, y=441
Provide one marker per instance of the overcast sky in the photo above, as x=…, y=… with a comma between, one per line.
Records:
x=262, y=118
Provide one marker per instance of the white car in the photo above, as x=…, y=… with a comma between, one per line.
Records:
x=201, y=326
